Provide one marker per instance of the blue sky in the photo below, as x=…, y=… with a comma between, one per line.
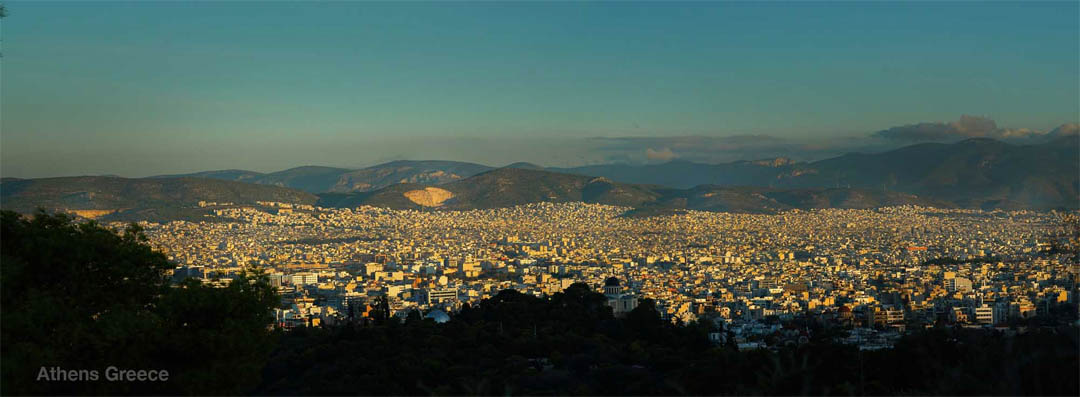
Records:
x=146, y=88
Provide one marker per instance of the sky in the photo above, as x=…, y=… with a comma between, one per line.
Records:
x=138, y=89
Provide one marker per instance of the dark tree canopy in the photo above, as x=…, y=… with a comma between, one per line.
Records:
x=79, y=296
x=570, y=344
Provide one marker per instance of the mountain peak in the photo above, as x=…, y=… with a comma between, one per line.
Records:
x=525, y=166
x=311, y=168
x=773, y=162
x=981, y=141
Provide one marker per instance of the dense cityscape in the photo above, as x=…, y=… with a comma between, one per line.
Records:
x=877, y=272
x=540, y=198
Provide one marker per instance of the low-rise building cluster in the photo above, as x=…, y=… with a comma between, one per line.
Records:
x=879, y=270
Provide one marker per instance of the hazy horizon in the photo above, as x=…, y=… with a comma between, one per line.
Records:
x=797, y=152
x=207, y=86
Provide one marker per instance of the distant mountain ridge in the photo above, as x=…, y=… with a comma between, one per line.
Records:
x=685, y=174
x=978, y=172
x=501, y=187
x=975, y=173
x=505, y=187
x=403, y=171
x=138, y=199
x=318, y=179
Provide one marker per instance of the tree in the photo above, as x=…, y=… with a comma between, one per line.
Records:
x=80, y=296
x=1066, y=240
x=3, y=11
x=381, y=312
x=71, y=294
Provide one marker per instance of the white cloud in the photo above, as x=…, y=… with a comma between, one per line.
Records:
x=664, y=154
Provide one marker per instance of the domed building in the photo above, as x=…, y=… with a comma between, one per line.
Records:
x=621, y=302
x=847, y=317
x=438, y=315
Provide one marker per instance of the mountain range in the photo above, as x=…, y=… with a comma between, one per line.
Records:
x=500, y=187
x=154, y=199
x=972, y=173
x=975, y=173
x=316, y=179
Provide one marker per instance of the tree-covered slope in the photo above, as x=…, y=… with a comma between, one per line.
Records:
x=123, y=198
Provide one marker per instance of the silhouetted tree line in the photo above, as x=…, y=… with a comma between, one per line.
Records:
x=570, y=343
x=79, y=296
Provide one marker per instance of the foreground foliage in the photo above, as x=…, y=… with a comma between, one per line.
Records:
x=79, y=296
x=571, y=344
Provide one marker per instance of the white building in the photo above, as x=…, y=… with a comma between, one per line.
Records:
x=958, y=284
x=435, y=296
x=304, y=278
x=619, y=301
x=984, y=314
